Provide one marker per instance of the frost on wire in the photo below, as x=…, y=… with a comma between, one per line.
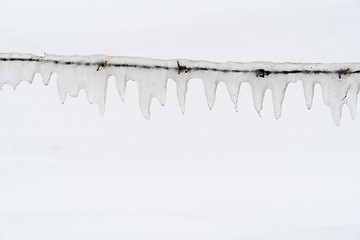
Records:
x=339, y=82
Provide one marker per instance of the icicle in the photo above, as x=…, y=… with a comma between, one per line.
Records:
x=278, y=87
x=121, y=81
x=15, y=72
x=258, y=86
x=308, y=85
x=350, y=100
x=46, y=73
x=71, y=79
x=233, y=84
x=144, y=101
x=210, y=86
x=151, y=84
x=181, y=93
x=181, y=89
x=234, y=89
x=339, y=90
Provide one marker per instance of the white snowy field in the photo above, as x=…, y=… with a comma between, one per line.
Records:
x=68, y=173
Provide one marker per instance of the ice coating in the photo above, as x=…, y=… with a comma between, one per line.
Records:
x=339, y=81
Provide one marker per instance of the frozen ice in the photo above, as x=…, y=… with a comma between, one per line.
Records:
x=339, y=81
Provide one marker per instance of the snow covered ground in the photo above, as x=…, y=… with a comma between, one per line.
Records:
x=67, y=173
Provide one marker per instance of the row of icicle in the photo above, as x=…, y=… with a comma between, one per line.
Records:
x=71, y=78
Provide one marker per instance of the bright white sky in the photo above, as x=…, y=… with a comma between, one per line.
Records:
x=67, y=173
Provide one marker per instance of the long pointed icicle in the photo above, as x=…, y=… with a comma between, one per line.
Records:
x=340, y=82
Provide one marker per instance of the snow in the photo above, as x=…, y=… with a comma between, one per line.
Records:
x=67, y=173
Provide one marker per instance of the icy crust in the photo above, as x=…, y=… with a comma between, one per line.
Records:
x=339, y=82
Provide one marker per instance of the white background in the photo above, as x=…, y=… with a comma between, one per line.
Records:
x=67, y=173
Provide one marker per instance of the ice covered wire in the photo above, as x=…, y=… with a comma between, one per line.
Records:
x=339, y=81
